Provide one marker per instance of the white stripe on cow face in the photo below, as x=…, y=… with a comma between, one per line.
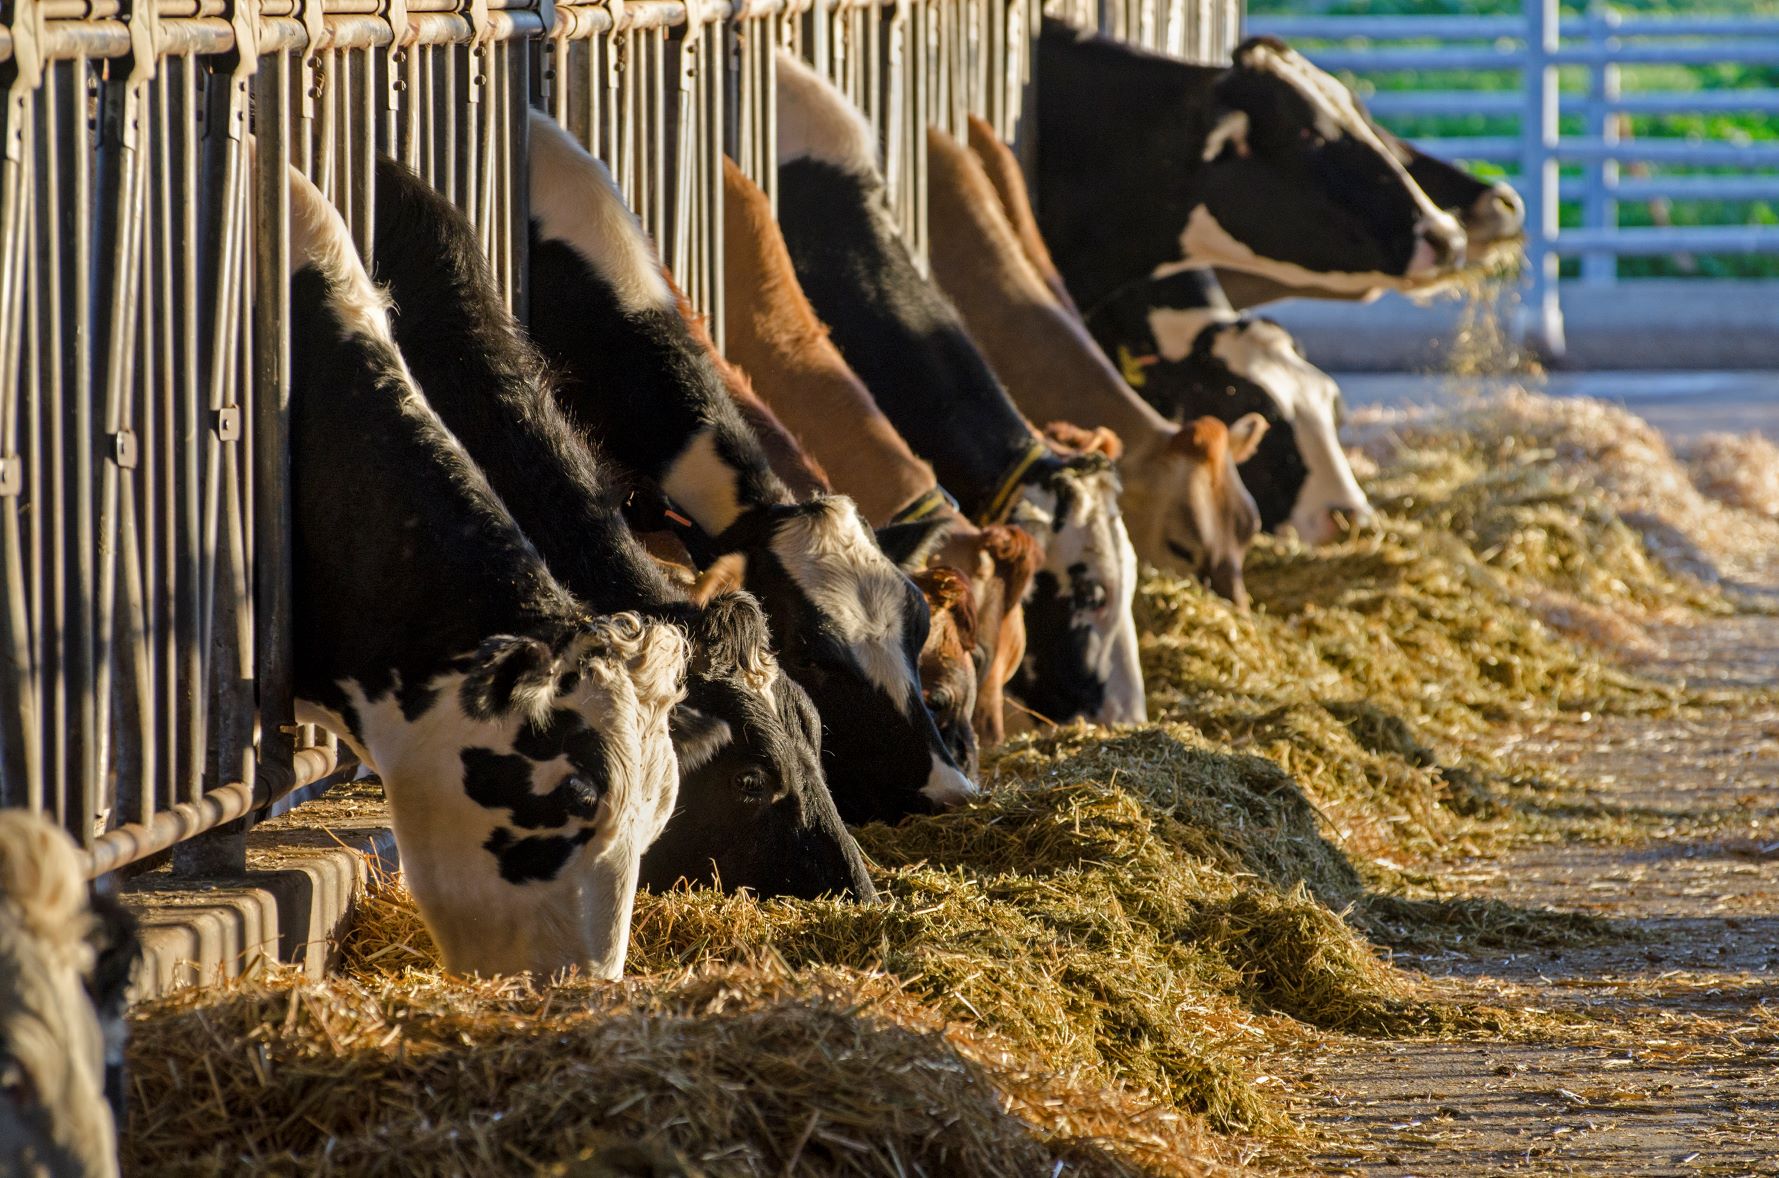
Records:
x=702, y=484
x=1265, y=353
x=836, y=564
x=1089, y=531
x=817, y=122
x=574, y=201
x=1204, y=242
x=1176, y=329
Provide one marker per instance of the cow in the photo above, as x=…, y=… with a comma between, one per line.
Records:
x=1493, y=216
x=523, y=743
x=848, y=623
x=1053, y=369
x=754, y=810
x=906, y=342
x=1267, y=165
x=775, y=336
x=1188, y=353
x=940, y=659
x=66, y=954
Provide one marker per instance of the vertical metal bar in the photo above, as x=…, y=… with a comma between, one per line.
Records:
x=1600, y=176
x=1543, y=326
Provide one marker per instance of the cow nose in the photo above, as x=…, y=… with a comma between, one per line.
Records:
x=1439, y=247
x=1226, y=581
x=1497, y=215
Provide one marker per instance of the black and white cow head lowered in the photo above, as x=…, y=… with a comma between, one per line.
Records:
x=65, y=959
x=849, y=624
x=909, y=346
x=754, y=809
x=1267, y=166
x=523, y=744
x=1189, y=354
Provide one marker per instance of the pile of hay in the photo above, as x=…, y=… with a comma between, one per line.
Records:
x=1569, y=494
x=1085, y=965
x=1740, y=470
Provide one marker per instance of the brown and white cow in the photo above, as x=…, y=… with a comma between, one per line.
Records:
x=65, y=958
x=775, y=336
x=1175, y=339
x=1054, y=370
x=524, y=745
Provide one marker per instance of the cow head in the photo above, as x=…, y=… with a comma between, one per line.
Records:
x=53, y=1113
x=1208, y=520
x=564, y=771
x=850, y=627
x=998, y=561
x=1300, y=477
x=1297, y=184
x=754, y=808
x=1081, y=638
x=948, y=660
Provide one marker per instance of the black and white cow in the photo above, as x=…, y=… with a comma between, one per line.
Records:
x=1189, y=354
x=66, y=955
x=1267, y=166
x=849, y=624
x=754, y=809
x=909, y=346
x=523, y=744
x=1492, y=213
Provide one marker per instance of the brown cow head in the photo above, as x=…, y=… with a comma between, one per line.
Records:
x=947, y=661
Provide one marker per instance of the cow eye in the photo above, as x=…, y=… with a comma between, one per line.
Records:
x=938, y=699
x=753, y=785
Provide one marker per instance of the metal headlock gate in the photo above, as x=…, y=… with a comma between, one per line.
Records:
x=145, y=643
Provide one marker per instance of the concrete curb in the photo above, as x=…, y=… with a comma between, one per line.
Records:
x=303, y=871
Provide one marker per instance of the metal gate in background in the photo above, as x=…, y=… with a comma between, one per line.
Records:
x=145, y=644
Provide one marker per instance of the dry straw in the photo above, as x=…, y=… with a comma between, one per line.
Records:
x=1081, y=973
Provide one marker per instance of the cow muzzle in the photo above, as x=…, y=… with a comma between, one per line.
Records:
x=1498, y=215
x=1439, y=248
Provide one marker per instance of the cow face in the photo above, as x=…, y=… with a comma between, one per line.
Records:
x=1300, y=477
x=1298, y=185
x=1492, y=214
x=523, y=785
x=1203, y=520
x=948, y=669
x=754, y=810
x=999, y=562
x=1081, y=638
x=53, y=1114
x=850, y=627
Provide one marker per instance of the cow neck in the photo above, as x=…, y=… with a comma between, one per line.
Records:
x=1120, y=133
x=489, y=388
x=775, y=336
x=459, y=568
x=1040, y=350
x=897, y=332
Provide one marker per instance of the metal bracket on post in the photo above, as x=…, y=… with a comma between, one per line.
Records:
x=311, y=79
x=26, y=70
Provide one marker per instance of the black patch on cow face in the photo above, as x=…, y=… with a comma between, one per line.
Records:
x=534, y=858
x=758, y=814
x=504, y=781
x=877, y=755
x=1051, y=681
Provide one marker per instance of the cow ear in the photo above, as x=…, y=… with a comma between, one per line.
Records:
x=725, y=574
x=910, y=544
x=509, y=674
x=1228, y=133
x=697, y=737
x=1245, y=435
